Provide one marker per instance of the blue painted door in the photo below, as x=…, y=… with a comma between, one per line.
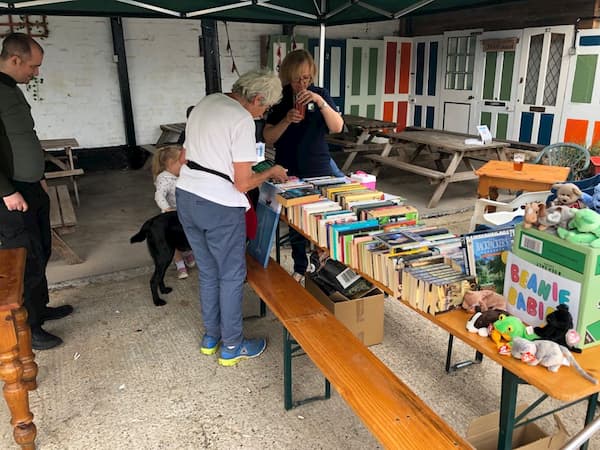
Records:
x=335, y=67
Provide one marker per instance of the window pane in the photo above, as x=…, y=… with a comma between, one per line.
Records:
x=557, y=42
x=533, y=69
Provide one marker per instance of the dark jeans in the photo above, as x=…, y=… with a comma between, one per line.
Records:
x=298, y=243
x=30, y=229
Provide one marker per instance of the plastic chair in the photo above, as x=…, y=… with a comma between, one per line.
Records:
x=566, y=154
x=505, y=212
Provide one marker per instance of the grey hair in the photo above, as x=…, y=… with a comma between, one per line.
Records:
x=262, y=83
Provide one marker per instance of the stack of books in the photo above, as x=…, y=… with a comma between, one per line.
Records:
x=434, y=284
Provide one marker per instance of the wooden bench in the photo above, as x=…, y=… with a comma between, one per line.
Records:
x=62, y=221
x=393, y=413
x=353, y=147
x=65, y=163
x=420, y=170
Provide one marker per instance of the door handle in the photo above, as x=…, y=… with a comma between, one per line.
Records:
x=470, y=97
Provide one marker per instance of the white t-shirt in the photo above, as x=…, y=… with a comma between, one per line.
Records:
x=218, y=133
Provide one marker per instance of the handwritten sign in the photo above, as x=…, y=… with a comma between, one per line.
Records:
x=532, y=292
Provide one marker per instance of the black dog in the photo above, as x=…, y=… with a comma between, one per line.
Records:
x=163, y=234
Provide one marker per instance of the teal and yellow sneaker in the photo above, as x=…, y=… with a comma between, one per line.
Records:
x=249, y=348
x=209, y=345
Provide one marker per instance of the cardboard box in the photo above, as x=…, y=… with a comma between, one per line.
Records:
x=483, y=434
x=572, y=273
x=363, y=316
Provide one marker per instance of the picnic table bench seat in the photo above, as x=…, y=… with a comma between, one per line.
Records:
x=62, y=221
x=395, y=415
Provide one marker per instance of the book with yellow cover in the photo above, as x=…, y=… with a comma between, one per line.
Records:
x=329, y=192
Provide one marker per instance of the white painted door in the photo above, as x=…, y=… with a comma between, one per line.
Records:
x=497, y=67
x=581, y=113
x=458, y=82
x=542, y=83
x=396, y=80
x=281, y=45
x=424, y=99
x=364, y=80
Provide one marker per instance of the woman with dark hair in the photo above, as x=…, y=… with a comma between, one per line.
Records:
x=297, y=126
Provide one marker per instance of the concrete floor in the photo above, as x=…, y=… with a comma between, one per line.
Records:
x=130, y=374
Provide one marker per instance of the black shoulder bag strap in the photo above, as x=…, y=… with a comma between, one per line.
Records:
x=196, y=166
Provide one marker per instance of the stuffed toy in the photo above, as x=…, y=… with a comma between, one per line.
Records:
x=583, y=228
x=481, y=322
x=559, y=328
x=485, y=299
x=505, y=329
x=532, y=214
x=593, y=201
x=568, y=194
x=548, y=354
x=554, y=217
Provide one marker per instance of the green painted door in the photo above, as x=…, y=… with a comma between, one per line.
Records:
x=364, y=78
x=497, y=68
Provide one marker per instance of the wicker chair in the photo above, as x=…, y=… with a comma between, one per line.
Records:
x=566, y=154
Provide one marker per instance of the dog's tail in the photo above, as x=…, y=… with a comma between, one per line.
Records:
x=140, y=235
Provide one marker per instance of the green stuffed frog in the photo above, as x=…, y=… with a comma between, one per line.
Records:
x=584, y=228
x=506, y=328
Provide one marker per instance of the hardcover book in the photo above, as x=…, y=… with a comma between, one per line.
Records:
x=486, y=257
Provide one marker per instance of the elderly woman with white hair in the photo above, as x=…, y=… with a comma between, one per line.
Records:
x=220, y=148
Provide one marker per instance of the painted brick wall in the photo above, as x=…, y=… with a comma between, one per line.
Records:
x=80, y=97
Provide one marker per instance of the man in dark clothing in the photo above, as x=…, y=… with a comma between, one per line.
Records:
x=25, y=209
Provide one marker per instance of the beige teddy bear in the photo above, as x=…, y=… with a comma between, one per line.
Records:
x=568, y=194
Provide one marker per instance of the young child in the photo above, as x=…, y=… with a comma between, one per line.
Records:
x=165, y=170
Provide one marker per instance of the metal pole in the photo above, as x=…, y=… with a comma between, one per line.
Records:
x=120, y=57
x=212, y=63
x=322, y=56
x=583, y=436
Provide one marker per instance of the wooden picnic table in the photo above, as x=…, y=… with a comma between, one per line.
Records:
x=66, y=164
x=439, y=144
x=362, y=143
x=170, y=133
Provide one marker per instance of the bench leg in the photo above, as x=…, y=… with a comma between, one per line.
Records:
x=65, y=251
x=290, y=346
x=287, y=370
x=462, y=364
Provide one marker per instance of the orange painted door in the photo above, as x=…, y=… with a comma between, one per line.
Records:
x=581, y=116
x=397, y=53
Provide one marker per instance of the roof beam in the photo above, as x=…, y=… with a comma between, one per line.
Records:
x=35, y=3
x=412, y=8
x=376, y=10
x=338, y=10
x=288, y=10
x=169, y=12
x=202, y=12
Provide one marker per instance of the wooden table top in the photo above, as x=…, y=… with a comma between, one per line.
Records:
x=531, y=172
x=173, y=127
x=566, y=385
x=58, y=144
x=367, y=124
x=441, y=139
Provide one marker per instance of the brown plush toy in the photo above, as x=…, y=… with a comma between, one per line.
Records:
x=485, y=299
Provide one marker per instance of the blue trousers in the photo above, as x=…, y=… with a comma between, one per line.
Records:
x=217, y=235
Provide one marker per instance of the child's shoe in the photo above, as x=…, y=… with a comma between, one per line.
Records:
x=182, y=273
x=188, y=259
x=249, y=348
